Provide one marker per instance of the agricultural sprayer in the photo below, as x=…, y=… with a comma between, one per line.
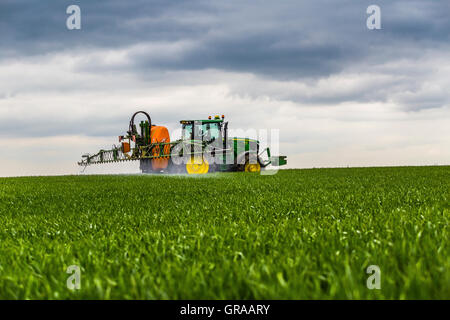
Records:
x=204, y=147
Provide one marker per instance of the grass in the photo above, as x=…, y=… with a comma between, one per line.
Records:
x=300, y=234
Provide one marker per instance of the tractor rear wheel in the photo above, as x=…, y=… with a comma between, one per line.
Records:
x=197, y=166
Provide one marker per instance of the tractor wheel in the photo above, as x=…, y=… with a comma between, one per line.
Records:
x=248, y=162
x=145, y=166
x=197, y=166
x=175, y=168
x=252, y=167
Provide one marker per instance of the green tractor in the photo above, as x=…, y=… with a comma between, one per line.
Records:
x=204, y=147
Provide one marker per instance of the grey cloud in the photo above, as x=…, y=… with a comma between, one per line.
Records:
x=285, y=41
x=98, y=124
x=31, y=27
x=291, y=39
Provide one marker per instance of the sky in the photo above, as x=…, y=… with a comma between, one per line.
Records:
x=338, y=93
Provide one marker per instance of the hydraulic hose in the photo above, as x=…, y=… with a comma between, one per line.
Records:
x=132, y=127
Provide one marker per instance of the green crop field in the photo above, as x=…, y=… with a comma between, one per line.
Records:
x=300, y=234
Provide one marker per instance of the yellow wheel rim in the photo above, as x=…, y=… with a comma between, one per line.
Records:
x=197, y=166
x=252, y=167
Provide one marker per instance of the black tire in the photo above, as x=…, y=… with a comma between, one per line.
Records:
x=244, y=158
x=146, y=166
x=174, y=168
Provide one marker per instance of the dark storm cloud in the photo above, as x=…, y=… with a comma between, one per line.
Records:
x=287, y=39
x=303, y=41
x=254, y=54
x=34, y=27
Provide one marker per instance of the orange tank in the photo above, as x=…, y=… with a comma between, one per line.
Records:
x=160, y=134
x=125, y=147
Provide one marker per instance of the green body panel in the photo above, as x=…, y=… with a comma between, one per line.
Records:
x=244, y=145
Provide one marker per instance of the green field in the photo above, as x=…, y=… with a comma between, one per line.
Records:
x=300, y=234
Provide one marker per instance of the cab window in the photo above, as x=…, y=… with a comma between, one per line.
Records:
x=187, y=131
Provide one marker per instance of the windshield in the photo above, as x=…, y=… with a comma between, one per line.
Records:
x=209, y=131
x=204, y=131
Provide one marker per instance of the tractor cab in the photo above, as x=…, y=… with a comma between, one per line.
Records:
x=209, y=131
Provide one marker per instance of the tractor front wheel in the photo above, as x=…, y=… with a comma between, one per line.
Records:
x=248, y=162
x=252, y=167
